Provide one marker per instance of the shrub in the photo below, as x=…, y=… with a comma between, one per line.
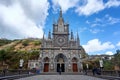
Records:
x=25, y=43
x=37, y=42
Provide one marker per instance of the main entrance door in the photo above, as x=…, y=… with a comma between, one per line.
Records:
x=60, y=67
x=60, y=63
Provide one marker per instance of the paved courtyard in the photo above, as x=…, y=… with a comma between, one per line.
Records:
x=61, y=77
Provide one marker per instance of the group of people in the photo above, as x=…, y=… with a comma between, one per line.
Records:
x=96, y=71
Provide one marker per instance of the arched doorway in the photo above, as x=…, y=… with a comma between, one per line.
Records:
x=74, y=65
x=46, y=64
x=60, y=60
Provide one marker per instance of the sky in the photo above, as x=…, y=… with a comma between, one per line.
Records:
x=96, y=21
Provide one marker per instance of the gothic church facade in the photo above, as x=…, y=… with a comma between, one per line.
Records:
x=60, y=51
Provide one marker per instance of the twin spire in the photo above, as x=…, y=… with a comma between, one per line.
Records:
x=72, y=37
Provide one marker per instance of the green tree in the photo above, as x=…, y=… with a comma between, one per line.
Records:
x=117, y=58
x=34, y=54
x=108, y=65
x=3, y=57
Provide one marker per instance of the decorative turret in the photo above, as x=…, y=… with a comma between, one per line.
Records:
x=49, y=35
x=43, y=39
x=72, y=35
x=78, y=40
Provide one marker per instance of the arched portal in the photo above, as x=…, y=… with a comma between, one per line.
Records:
x=46, y=64
x=60, y=60
x=74, y=65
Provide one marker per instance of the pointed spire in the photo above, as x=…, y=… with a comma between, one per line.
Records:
x=43, y=39
x=72, y=35
x=49, y=35
x=60, y=20
x=54, y=21
x=60, y=12
x=78, y=39
x=43, y=36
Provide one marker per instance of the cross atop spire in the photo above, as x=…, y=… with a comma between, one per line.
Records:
x=60, y=12
x=60, y=20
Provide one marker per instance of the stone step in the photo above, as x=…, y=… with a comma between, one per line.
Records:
x=62, y=73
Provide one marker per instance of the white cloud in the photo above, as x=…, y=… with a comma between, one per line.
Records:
x=87, y=22
x=104, y=21
x=117, y=33
x=82, y=29
x=111, y=3
x=22, y=18
x=91, y=6
x=96, y=31
x=84, y=7
x=118, y=44
x=65, y=5
x=94, y=6
x=109, y=53
x=96, y=45
x=110, y=20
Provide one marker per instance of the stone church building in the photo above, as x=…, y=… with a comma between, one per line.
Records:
x=60, y=51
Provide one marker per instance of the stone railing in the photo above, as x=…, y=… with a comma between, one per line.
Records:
x=106, y=72
x=111, y=72
x=15, y=72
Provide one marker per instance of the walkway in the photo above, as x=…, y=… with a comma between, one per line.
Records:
x=61, y=77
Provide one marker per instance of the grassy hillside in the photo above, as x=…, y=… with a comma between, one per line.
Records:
x=24, y=44
x=4, y=42
x=11, y=51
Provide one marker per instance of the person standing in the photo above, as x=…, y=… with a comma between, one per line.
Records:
x=60, y=70
x=94, y=71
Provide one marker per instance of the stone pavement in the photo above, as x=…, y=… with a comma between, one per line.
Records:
x=61, y=77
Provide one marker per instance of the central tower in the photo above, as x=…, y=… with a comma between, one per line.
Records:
x=60, y=32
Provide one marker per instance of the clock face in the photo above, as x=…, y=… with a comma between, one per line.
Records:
x=60, y=40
